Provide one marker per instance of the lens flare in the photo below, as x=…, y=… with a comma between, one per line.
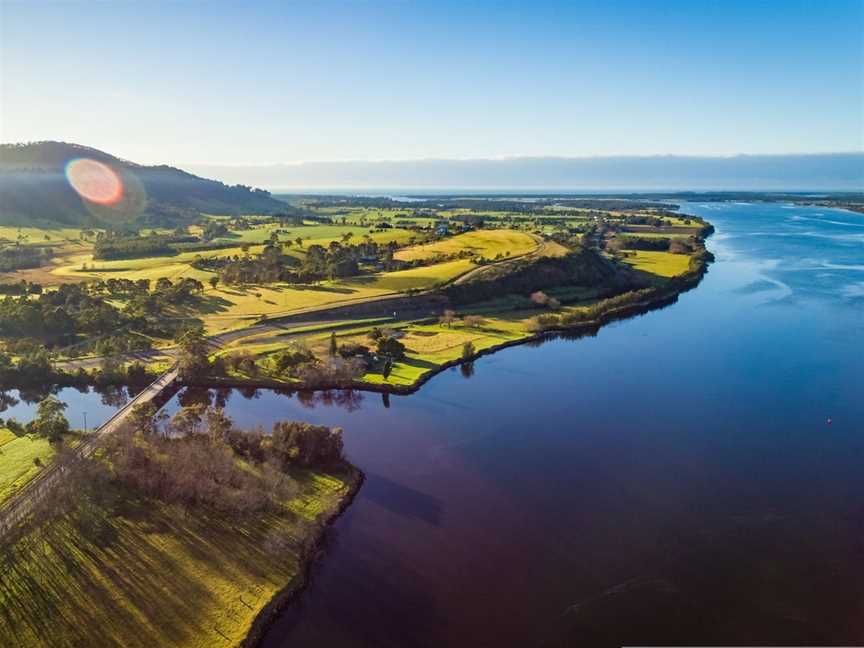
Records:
x=94, y=181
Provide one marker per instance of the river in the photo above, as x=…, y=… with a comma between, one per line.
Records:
x=691, y=475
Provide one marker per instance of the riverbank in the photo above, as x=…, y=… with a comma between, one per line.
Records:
x=516, y=329
x=313, y=552
x=121, y=569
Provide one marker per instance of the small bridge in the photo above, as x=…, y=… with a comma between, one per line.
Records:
x=17, y=507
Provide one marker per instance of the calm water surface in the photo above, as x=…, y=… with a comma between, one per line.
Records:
x=85, y=407
x=674, y=478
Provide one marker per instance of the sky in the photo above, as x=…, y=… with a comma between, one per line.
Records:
x=237, y=83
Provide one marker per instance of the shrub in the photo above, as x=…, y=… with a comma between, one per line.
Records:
x=391, y=347
x=447, y=318
x=305, y=444
x=473, y=321
x=334, y=371
x=293, y=357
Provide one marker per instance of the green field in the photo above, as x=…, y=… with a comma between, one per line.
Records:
x=231, y=306
x=39, y=236
x=652, y=234
x=664, y=264
x=236, y=305
x=485, y=243
x=17, y=456
x=69, y=265
x=158, y=576
x=428, y=346
x=418, y=278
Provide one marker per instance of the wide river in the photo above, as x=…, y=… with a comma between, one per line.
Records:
x=692, y=475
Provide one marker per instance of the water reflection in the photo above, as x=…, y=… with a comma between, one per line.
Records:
x=349, y=400
x=466, y=369
x=96, y=404
x=7, y=400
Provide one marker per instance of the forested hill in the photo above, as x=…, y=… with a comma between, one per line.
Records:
x=35, y=188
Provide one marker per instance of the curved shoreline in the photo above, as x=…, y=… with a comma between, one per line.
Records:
x=686, y=282
x=312, y=553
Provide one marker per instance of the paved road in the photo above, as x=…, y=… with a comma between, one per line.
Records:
x=17, y=507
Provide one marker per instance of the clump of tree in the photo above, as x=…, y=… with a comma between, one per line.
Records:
x=389, y=346
x=194, y=458
x=193, y=360
x=124, y=245
x=658, y=243
x=291, y=359
x=299, y=363
x=71, y=312
x=583, y=267
x=19, y=257
x=304, y=444
x=22, y=287
x=473, y=321
x=337, y=260
x=332, y=371
x=388, y=349
x=356, y=350
x=691, y=245
x=447, y=318
x=50, y=422
x=241, y=362
x=272, y=265
x=214, y=229
x=56, y=317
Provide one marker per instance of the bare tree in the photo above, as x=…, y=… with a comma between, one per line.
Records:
x=447, y=318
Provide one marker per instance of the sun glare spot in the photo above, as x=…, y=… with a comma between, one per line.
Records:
x=94, y=181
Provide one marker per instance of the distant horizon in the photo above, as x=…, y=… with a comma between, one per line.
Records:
x=841, y=171
x=165, y=82
x=662, y=173
x=410, y=192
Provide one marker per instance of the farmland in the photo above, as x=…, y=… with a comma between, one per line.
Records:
x=487, y=243
x=423, y=258
x=154, y=576
x=21, y=459
x=663, y=264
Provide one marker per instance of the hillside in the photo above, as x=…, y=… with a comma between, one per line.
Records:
x=35, y=188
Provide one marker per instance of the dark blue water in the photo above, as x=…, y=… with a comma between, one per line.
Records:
x=673, y=479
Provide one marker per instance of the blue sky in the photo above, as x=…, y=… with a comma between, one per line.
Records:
x=258, y=82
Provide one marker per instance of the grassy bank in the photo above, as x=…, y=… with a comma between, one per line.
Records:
x=432, y=346
x=21, y=459
x=136, y=572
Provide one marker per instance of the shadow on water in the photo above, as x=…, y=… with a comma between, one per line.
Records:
x=402, y=500
x=415, y=619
